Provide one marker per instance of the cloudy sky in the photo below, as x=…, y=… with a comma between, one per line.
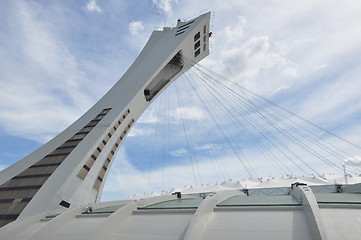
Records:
x=57, y=58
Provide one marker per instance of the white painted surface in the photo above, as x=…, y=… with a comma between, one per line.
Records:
x=341, y=222
x=153, y=226
x=255, y=224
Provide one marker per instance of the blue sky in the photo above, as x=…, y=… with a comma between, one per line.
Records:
x=57, y=58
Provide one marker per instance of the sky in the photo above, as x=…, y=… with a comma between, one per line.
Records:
x=57, y=58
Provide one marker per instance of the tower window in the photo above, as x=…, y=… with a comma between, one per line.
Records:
x=64, y=204
x=197, y=45
x=197, y=36
x=197, y=52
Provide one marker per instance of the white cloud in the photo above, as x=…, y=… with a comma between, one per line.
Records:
x=334, y=101
x=190, y=113
x=353, y=161
x=135, y=28
x=137, y=131
x=149, y=116
x=179, y=152
x=165, y=5
x=92, y=6
x=48, y=68
x=208, y=147
x=297, y=48
x=256, y=62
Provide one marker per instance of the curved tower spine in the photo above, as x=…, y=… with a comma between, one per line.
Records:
x=70, y=170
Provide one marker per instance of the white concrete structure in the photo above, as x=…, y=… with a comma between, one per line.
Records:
x=69, y=170
x=53, y=193
x=296, y=212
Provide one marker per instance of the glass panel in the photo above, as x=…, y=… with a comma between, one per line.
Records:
x=197, y=36
x=338, y=198
x=109, y=209
x=260, y=201
x=176, y=203
x=197, y=53
x=197, y=45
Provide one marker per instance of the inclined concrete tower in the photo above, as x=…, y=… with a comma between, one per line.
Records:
x=70, y=170
x=54, y=192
